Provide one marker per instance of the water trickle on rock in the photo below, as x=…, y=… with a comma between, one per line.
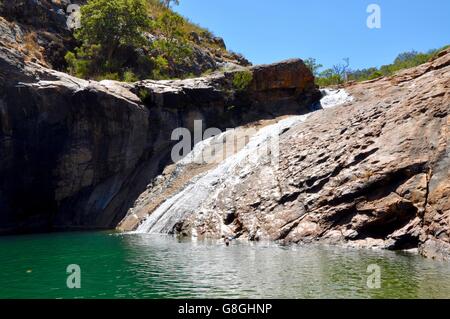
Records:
x=332, y=98
x=201, y=191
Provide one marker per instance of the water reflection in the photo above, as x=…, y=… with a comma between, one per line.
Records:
x=152, y=266
x=189, y=269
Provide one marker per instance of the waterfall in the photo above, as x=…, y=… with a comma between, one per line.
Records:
x=201, y=189
x=332, y=98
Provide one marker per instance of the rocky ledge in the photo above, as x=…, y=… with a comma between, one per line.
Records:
x=373, y=172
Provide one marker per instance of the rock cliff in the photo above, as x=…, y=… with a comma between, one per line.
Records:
x=75, y=154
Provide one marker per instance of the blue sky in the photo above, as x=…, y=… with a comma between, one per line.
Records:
x=267, y=31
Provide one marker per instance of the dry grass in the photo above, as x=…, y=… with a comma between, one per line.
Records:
x=23, y=41
x=31, y=49
x=367, y=174
x=156, y=9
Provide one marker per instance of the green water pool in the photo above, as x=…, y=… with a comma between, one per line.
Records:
x=147, y=266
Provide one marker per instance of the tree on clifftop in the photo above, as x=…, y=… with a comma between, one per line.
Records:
x=108, y=28
x=113, y=23
x=131, y=39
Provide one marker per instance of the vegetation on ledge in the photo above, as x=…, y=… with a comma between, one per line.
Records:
x=242, y=80
x=129, y=40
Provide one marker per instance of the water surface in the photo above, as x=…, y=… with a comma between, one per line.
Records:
x=152, y=266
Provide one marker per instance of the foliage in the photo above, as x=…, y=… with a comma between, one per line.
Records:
x=109, y=76
x=242, y=79
x=158, y=7
x=82, y=63
x=328, y=78
x=172, y=47
x=144, y=95
x=338, y=74
x=109, y=30
x=129, y=76
x=341, y=73
x=135, y=39
x=161, y=67
x=313, y=66
x=113, y=23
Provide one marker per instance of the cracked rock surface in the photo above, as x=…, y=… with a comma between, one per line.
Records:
x=373, y=172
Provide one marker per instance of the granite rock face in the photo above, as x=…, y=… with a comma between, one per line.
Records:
x=76, y=154
x=39, y=28
x=373, y=172
x=68, y=148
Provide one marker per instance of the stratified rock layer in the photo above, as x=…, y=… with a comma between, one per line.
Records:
x=374, y=172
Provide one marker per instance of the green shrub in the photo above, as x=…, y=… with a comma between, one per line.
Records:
x=172, y=48
x=83, y=63
x=144, y=95
x=160, y=68
x=71, y=60
x=434, y=53
x=108, y=29
x=108, y=76
x=113, y=23
x=129, y=76
x=242, y=80
x=328, y=78
x=313, y=66
x=112, y=39
x=375, y=75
